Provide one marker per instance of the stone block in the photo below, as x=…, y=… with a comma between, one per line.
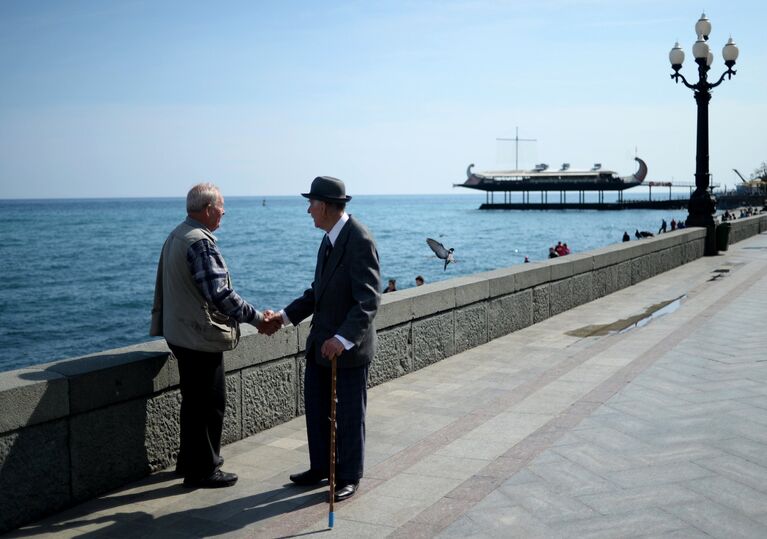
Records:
x=541, y=303
x=301, y=372
x=432, y=340
x=502, y=281
x=395, y=309
x=655, y=264
x=174, y=379
x=676, y=256
x=114, y=376
x=393, y=355
x=561, y=297
x=700, y=247
x=611, y=255
x=623, y=274
x=470, y=327
x=531, y=275
x=109, y=447
x=510, y=313
x=434, y=298
x=470, y=290
x=661, y=242
x=561, y=268
x=605, y=281
x=31, y=396
x=163, y=429
x=34, y=473
x=640, y=269
x=232, y=430
x=256, y=348
x=582, y=286
x=303, y=332
x=268, y=395
x=582, y=262
x=505, y=281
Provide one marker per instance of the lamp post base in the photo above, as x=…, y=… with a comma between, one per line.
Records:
x=701, y=213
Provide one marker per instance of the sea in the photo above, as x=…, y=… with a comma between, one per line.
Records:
x=78, y=274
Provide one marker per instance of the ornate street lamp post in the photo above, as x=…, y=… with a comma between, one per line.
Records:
x=702, y=204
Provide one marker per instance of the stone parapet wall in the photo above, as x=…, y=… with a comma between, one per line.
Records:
x=76, y=428
x=746, y=227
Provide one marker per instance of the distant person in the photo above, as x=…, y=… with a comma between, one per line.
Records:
x=559, y=249
x=565, y=249
x=391, y=287
x=527, y=260
x=626, y=236
x=198, y=312
x=662, y=228
x=419, y=280
x=553, y=253
x=673, y=224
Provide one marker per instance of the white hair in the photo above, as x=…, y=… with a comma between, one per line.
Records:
x=200, y=196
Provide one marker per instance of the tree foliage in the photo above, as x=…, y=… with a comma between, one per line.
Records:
x=760, y=173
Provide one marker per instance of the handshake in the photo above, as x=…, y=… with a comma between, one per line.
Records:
x=271, y=323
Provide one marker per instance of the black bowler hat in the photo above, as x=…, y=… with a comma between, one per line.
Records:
x=327, y=189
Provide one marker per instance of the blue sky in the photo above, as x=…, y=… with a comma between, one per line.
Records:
x=140, y=98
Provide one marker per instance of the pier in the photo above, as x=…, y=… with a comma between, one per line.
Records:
x=669, y=204
x=595, y=181
x=595, y=395
x=552, y=196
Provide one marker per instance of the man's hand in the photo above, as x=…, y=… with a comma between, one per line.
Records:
x=271, y=324
x=332, y=348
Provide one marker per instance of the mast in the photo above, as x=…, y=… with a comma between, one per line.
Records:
x=516, y=141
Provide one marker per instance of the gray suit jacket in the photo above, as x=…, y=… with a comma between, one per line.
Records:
x=343, y=298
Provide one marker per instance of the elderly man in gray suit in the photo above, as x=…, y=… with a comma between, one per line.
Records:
x=343, y=301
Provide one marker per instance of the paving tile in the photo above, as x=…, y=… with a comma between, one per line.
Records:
x=497, y=522
x=717, y=520
x=640, y=498
x=446, y=466
x=738, y=469
x=658, y=475
x=653, y=522
x=732, y=494
x=474, y=449
x=382, y=510
x=423, y=488
x=541, y=500
x=344, y=528
x=745, y=448
x=568, y=477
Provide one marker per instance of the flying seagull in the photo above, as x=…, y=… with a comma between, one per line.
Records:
x=441, y=252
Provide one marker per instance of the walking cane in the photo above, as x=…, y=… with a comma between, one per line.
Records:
x=332, y=468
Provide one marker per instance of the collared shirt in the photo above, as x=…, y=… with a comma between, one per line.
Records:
x=332, y=236
x=336, y=230
x=210, y=273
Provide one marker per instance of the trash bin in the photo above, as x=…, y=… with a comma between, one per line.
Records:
x=722, y=236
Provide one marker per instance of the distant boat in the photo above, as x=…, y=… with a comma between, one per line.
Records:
x=541, y=178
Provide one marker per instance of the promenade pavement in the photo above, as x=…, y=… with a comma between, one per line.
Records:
x=604, y=421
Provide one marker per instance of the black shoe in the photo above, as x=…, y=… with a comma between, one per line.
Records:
x=219, y=479
x=180, y=466
x=309, y=477
x=345, y=490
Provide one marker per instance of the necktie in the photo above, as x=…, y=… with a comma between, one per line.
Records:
x=328, y=250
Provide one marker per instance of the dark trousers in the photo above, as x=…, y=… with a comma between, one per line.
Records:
x=203, y=402
x=351, y=391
